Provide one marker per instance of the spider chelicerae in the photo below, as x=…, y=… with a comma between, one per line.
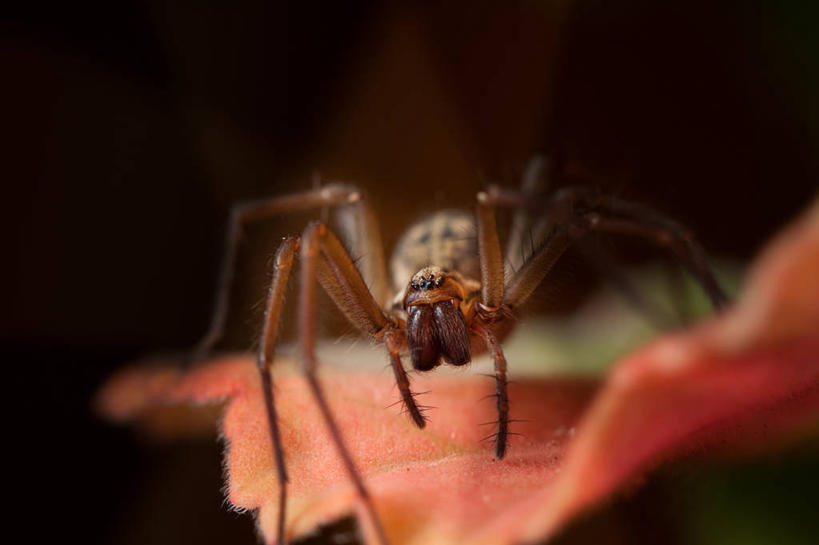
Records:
x=452, y=296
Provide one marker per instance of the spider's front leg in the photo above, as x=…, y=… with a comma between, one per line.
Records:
x=324, y=258
x=491, y=311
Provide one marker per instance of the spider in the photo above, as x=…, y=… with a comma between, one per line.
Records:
x=453, y=296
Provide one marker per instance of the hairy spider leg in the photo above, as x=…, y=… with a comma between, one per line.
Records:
x=575, y=212
x=356, y=218
x=524, y=230
x=532, y=222
x=324, y=258
x=572, y=214
x=396, y=340
x=358, y=222
x=285, y=256
x=490, y=309
x=501, y=395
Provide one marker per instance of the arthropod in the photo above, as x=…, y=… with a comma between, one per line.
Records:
x=452, y=294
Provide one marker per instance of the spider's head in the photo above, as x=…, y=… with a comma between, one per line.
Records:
x=436, y=328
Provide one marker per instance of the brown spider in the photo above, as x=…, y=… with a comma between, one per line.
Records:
x=460, y=299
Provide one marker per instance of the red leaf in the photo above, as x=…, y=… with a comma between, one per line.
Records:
x=741, y=379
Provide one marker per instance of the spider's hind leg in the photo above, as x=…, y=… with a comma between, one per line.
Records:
x=578, y=211
x=355, y=216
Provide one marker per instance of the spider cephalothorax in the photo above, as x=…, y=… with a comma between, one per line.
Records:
x=459, y=300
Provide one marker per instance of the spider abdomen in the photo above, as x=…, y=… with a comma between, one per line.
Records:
x=445, y=239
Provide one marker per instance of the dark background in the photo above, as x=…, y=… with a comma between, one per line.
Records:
x=129, y=127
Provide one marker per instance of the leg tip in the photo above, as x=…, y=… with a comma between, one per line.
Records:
x=419, y=420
